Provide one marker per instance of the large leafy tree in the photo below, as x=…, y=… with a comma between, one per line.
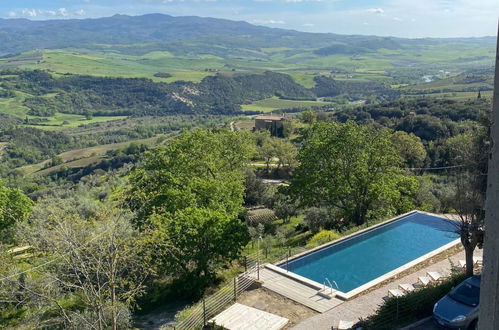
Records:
x=409, y=147
x=353, y=170
x=15, y=207
x=189, y=196
x=201, y=168
x=194, y=242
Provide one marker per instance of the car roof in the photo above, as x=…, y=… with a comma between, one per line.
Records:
x=474, y=280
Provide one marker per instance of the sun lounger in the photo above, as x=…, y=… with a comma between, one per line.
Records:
x=478, y=260
x=345, y=325
x=407, y=287
x=395, y=293
x=435, y=276
x=424, y=280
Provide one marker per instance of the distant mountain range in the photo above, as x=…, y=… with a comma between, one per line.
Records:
x=187, y=35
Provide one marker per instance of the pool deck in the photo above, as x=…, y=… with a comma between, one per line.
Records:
x=367, y=304
x=300, y=292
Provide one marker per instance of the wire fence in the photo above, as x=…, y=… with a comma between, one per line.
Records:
x=201, y=313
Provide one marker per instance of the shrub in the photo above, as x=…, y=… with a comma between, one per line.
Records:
x=316, y=219
x=398, y=312
x=322, y=237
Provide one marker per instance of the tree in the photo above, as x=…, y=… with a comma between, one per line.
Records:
x=273, y=148
x=286, y=153
x=316, y=219
x=15, y=207
x=203, y=169
x=56, y=160
x=94, y=270
x=194, y=242
x=255, y=191
x=285, y=207
x=309, y=116
x=188, y=196
x=354, y=169
x=409, y=147
x=471, y=188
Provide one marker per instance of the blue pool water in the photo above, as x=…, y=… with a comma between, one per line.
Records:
x=365, y=257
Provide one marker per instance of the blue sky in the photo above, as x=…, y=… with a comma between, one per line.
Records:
x=404, y=18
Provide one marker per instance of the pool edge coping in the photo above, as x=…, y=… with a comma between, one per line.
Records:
x=392, y=274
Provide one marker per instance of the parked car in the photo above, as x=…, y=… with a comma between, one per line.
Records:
x=459, y=308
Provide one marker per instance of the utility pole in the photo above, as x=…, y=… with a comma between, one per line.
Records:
x=489, y=291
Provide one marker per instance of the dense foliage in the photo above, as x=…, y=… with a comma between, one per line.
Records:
x=15, y=207
x=352, y=169
x=220, y=94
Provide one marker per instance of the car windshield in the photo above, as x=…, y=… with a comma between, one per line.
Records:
x=467, y=294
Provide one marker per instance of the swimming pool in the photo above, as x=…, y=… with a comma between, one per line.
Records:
x=362, y=258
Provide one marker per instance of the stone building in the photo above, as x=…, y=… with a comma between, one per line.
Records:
x=273, y=124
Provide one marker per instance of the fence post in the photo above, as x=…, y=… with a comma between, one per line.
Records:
x=287, y=259
x=245, y=264
x=235, y=290
x=204, y=312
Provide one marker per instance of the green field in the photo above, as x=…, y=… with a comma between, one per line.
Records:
x=63, y=120
x=274, y=103
x=302, y=63
x=84, y=157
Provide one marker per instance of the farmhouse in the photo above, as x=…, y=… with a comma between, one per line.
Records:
x=274, y=124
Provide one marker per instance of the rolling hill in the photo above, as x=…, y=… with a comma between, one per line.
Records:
x=141, y=34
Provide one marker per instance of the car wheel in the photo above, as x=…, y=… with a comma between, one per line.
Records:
x=473, y=325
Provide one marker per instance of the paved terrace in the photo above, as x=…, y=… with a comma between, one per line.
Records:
x=367, y=304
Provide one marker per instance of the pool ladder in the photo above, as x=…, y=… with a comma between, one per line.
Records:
x=330, y=287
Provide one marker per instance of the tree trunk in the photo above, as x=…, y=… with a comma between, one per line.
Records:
x=468, y=250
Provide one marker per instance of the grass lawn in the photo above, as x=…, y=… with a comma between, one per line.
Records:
x=274, y=103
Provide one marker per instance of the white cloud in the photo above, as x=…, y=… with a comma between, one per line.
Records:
x=62, y=12
x=376, y=11
x=29, y=12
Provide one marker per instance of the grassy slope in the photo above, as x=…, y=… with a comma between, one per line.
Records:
x=302, y=64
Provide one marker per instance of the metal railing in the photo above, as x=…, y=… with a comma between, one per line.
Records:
x=201, y=313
